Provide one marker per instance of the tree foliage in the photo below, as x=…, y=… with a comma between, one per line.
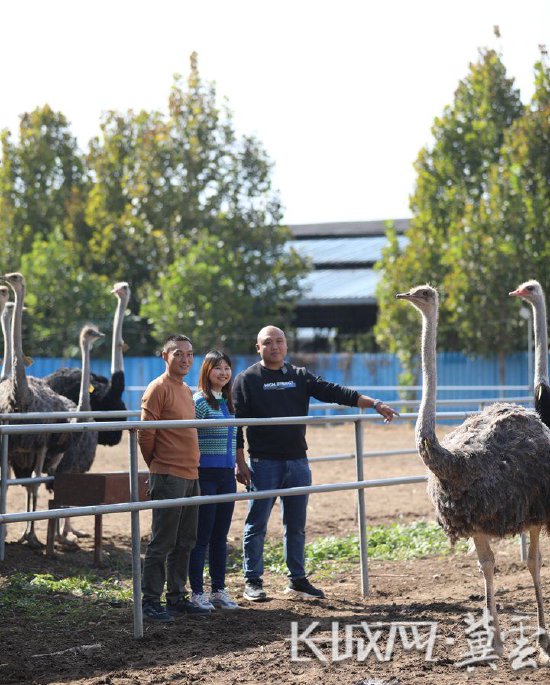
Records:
x=480, y=219
x=171, y=202
x=42, y=184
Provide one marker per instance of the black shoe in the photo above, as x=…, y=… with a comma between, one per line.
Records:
x=254, y=590
x=184, y=606
x=303, y=588
x=155, y=612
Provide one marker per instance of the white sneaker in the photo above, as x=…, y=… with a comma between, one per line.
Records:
x=200, y=599
x=221, y=600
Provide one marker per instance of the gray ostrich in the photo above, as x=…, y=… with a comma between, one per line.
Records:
x=107, y=393
x=21, y=393
x=490, y=477
x=79, y=456
x=6, y=317
x=532, y=292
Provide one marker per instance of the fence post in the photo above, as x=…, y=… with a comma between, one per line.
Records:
x=3, y=493
x=136, y=537
x=361, y=517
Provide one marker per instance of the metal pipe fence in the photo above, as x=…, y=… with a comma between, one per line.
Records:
x=134, y=506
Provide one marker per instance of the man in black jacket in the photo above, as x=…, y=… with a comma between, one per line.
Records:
x=272, y=388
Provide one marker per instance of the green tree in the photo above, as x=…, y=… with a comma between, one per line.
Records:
x=506, y=234
x=167, y=187
x=61, y=298
x=453, y=178
x=42, y=184
x=221, y=294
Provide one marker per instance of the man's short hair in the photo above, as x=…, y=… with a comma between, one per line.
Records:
x=170, y=341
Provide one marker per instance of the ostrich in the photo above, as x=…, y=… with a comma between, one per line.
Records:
x=6, y=316
x=532, y=292
x=106, y=394
x=22, y=393
x=490, y=477
x=79, y=456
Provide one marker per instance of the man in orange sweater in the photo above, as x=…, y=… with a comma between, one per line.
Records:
x=172, y=455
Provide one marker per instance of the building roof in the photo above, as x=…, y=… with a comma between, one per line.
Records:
x=339, y=286
x=358, y=251
x=347, y=228
x=343, y=255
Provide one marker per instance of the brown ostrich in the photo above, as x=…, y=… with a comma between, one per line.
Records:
x=21, y=393
x=490, y=477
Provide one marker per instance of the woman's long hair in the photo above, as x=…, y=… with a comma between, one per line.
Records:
x=212, y=359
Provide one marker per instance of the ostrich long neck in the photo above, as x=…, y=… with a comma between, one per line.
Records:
x=18, y=366
x=425, y=424
x=7, y=314
x=117, y=360
x=84, y=397
x=541, y=343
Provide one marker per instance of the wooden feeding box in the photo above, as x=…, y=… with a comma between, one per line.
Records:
x=88, y=489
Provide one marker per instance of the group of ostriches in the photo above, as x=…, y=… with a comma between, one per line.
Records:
x=490, y=477
x=75, y=390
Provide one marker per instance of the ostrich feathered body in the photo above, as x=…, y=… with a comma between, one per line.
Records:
x=493, y=475
x=542, y=402
x=106, y=395
x=38, y=398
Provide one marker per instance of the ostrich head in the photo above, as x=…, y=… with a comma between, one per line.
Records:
x=89, y=334
x=15, y=281
x=530, y=291
x=121, y=290
x=423, y=297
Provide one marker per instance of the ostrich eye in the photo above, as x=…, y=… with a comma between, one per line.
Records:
x=530, y=287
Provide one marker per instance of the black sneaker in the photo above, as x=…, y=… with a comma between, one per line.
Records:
x=303, y=588
x=155, y=612
x=184, y=606
x=254, y=590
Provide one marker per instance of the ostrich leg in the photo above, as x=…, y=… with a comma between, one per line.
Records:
x=534, y=562
x=487, y=565
x=29, y=536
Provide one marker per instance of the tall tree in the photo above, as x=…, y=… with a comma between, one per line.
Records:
x=42, y=184
x=453, y=178
x=506, y=240
x=168, y=187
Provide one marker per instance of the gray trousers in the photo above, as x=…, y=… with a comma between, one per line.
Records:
x=173, y=536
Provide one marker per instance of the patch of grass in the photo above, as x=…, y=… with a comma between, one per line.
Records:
x=396, y=542
x=42, y=596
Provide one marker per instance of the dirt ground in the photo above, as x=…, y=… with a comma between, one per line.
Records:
x=254, y=645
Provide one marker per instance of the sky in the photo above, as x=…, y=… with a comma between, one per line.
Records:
x=342, y=93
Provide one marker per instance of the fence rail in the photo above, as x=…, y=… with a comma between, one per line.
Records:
x=135, y=506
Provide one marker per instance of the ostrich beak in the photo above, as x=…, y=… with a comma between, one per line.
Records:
x=517, y=293
x=402, y=296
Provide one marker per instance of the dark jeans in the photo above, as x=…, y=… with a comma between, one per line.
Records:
x=272, y=474
x=173, y=536
x=214, y=523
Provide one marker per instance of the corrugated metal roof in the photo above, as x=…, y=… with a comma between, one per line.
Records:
x=341, y=228
x=367, y=250
x=339, y=286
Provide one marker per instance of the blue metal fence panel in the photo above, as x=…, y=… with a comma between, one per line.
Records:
x=368, y=370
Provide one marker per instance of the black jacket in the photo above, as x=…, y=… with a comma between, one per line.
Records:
x=260, y=393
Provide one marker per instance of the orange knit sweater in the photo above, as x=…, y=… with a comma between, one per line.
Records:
x=169, y=451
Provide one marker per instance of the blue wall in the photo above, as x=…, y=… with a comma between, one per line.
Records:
x=367, y=370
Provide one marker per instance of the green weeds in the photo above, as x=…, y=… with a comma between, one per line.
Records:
x=395, y=542
x=42, y=596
